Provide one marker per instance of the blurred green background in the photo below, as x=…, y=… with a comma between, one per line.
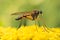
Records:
x=50, y=8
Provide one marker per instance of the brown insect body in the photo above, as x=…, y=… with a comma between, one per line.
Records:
x=33, y=15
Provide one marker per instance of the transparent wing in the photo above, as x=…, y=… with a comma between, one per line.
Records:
x=18, y=13
x=22, y=13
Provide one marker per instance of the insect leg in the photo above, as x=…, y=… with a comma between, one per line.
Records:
x=34, y=18
x=19, y=18
x=24, y=20
x=19, y=24
x=45, y=26
x=36, y=25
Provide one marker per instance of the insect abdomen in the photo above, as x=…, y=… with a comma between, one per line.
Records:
x=19, y=18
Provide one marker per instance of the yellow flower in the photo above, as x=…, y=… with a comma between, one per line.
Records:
x=9, y=34
x=29, y=33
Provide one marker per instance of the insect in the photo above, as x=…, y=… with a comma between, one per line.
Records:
x=30, y=15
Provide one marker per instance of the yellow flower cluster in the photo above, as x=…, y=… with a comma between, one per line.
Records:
x=29, y=33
